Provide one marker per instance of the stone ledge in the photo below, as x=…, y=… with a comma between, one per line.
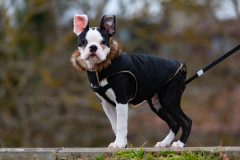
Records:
x=74, y=153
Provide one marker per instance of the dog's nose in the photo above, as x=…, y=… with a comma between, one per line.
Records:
x=93, y=48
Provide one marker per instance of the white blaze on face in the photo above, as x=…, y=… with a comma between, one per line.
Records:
x=93, y=37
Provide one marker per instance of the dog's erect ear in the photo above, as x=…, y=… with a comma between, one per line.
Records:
x=80, y=22
x=108, y=24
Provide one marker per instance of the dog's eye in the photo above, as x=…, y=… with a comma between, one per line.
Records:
x=82, y=42
x=104, y=42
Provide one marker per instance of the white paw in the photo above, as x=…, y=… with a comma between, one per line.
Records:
x=178, y=144
x=162, y=144
x=116, y=145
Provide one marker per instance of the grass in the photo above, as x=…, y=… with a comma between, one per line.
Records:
x=163, y=155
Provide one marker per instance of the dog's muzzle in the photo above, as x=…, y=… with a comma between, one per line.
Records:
x=93, y=48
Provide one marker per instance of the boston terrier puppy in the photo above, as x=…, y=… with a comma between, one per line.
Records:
x=119, y=80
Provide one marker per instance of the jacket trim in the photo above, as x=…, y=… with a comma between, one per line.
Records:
x=136, y=84
x=182, y=65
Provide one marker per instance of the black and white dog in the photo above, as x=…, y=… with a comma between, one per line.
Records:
x=120, y=80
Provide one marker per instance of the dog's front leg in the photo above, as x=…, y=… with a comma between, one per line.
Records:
x=110, y=111
x=122, y=120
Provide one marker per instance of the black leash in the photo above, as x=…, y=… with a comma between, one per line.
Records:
x=205, y=69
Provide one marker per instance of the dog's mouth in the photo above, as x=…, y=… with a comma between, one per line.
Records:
x=93, y=57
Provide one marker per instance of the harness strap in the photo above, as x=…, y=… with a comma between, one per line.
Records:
x=101, y=90
x=93, y=78
x=95, y=86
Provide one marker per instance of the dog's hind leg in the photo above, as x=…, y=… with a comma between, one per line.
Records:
x=185, y=124
x=173, y=126
x=170, y=99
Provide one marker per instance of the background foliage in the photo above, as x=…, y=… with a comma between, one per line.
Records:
x=44, y=102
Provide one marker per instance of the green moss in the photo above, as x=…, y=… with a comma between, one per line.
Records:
x=136, y=155
x=163, y=155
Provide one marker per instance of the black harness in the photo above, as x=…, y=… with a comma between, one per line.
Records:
x=94, y=84
x=149, y=73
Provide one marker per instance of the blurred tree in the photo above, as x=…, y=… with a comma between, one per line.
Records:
x=236, y=6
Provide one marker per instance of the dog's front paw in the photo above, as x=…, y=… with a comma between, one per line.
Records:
x=162, y=144
x=117, y=145
x=178, y=144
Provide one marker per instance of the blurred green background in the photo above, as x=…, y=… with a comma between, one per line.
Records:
x=45, y=102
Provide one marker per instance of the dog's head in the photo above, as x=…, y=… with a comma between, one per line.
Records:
x=94, y=44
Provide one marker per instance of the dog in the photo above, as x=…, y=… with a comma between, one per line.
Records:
x=119, y=80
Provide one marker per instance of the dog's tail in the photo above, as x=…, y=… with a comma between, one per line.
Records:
x=205, y=69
